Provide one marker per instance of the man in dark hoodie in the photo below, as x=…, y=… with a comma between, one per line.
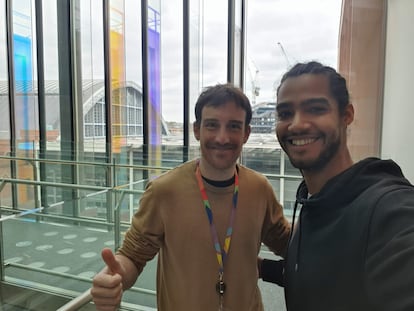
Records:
x=353, y=245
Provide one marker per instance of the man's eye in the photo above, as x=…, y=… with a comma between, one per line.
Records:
x=235, y=126
x=210, y=125
x=284, y=115
x=316, y=110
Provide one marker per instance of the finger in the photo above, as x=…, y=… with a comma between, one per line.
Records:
x=107, y=299
x=107, y=296
x=110, y=260
x=107, y=306
x=105, y=279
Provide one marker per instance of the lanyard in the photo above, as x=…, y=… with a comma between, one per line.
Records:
x=221, y=253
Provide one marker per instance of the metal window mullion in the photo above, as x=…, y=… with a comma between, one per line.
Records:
x=76, y=93
x=107, y=80
x=67, y=99
x=12, y=93
x=41, y=98
x=242, y=42
x=186, y=78
x=110, y=174
x=145, y=83
x=77, y=82
x=40, y=76
x=230, y=40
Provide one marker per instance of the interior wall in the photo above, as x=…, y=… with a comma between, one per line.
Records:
x=397, y=135
x=361, y=62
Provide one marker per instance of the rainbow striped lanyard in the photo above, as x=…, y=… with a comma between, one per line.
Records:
x=221, y=253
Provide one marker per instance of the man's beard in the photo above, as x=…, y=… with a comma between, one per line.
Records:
x=320, y=162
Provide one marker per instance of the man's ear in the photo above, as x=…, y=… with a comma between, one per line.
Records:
x=247, y=134
x=196, y=130
x=348, y=116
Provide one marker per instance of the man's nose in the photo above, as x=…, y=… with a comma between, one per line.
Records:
x=222, y=135
x=299, y=123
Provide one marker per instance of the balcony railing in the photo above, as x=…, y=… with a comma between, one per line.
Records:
x=53, y=243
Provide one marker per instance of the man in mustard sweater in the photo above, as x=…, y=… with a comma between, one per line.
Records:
x=206, y=219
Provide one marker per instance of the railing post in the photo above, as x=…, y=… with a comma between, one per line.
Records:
x=282, y=179
x=2, y=266
x=117, y=219
x=2, y=184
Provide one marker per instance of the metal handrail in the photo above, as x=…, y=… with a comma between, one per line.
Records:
x=54, y=184
x=100, y=189
x=81, y=163
x=77, y=302
x=122, y=165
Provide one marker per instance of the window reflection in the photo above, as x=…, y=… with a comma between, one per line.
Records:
x=26, y=110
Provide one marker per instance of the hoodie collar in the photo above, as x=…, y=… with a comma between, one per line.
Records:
x=344, y=187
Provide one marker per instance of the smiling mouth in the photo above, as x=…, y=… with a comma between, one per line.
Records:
x=221, y=147
x=302, y=142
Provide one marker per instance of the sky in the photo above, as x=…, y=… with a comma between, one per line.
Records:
x=307, y=30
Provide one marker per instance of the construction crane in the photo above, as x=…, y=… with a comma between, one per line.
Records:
x=253, y=73
x=284, y=54
x=288, y=65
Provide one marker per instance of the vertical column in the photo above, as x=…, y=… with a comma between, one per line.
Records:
x=361, y=61
x=12, y=91
x=108, y=109
x=145, y=84
x=236, y=42
x=67, y=102
x=41, y=98
x=186, y=79
x=230, y=41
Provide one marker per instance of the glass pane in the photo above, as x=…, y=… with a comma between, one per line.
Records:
x=214, y=47
x=26, y=109
x=52, y=98
x=172, y=67
x=90, y=31
x=273, y=44
x=51, y=71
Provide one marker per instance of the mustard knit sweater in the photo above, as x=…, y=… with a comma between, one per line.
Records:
x=172, y=220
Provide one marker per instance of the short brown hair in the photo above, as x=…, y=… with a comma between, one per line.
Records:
x=221, y=94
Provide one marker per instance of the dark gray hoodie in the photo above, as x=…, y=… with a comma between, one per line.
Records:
x=353, y=245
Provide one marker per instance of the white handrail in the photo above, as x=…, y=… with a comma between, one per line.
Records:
x=77, y=302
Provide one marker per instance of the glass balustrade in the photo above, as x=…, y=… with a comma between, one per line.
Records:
x=55, y=248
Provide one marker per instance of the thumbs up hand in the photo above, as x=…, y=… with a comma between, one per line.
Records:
x=107, y=286
x=113, y=265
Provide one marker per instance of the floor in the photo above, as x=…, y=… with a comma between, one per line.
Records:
x=68, y=256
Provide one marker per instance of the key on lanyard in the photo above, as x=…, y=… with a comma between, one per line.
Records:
x=220, y=288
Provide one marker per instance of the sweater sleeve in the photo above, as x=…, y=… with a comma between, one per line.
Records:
x=390, y=252
x=272, y=271
x=276, y=228
x=146, y=233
